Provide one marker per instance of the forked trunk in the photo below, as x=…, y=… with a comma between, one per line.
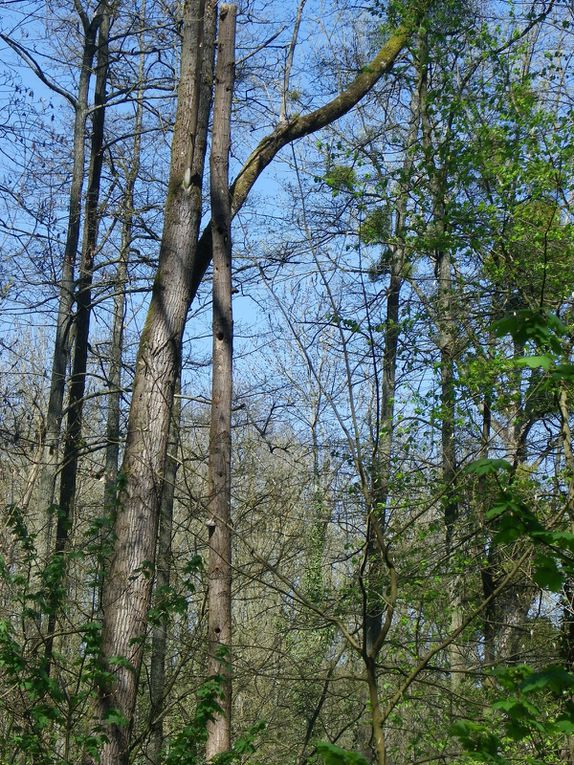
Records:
x=73, y=435
x=127, y=589
x=183, y=261
x=63, y=339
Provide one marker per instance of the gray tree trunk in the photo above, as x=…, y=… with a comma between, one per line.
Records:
x=183, y=260
x=219, y=469
x=116, y=352
x=162, y=583
x=63, y=339
x=127, y=588
x=379, y=568
x=73, y=435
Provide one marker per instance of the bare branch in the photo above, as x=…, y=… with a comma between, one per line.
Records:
x=37, y=69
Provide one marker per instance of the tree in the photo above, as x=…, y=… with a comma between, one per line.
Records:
x=83, y=299
x=183, y=260
x=63, y=340
x=400, y=462
x=219, y=468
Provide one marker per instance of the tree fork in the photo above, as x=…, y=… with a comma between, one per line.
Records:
x=127, y=587
x=183, y=260
x=62, y=342
x=302, y=125
x=73, y=436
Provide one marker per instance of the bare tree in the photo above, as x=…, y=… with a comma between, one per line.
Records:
x=63, y=340
x=183, y=259
x=219, y=468
x=73, y=435
x=127, y=588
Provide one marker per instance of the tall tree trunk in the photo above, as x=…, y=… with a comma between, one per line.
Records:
x=448, y=448
x=488, y=548
x=127, y=588
x=183, y=260
x=62, y=342
x=378, y=562
x=72, y=441
x=114, y=376
x=313, y=578
x=219, y=472
x=116, y=351
x=446, y=340
x=382, y=453
x=381, y=469
x=162, y=583
x=378, y=566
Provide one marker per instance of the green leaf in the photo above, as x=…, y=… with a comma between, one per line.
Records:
x=509, y=529
x=553, y=678
x=121, y=661
x=331, y=754
x=534, y=362
x=194, y=565
x=547, y=574
x=487, y=466
x=376, y=227
x=560, y=539
x=479, y=740
x=544, y=329
x=341, y=178
x=563, y=372
x=517, y=708
x=566, y=726
x=115, y=717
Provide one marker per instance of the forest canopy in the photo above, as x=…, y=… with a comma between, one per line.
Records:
x=287, y=307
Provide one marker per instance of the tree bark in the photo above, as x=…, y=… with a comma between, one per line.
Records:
x=382, y=453
x=487, y=549
x=73, y=436
x=62, y=342
x=162, y=583
x=127, y=589
x=114, y=380
x=183, y=261
x=219, y=469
